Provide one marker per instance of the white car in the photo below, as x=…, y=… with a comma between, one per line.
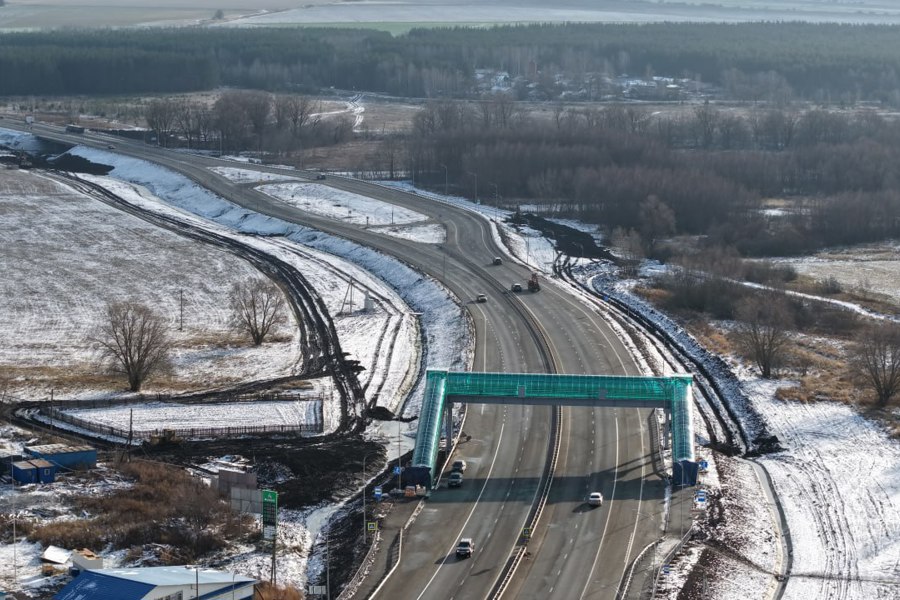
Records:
x=595, y=499
x=481, y=298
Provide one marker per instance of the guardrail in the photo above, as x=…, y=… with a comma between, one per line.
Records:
x=55, y=414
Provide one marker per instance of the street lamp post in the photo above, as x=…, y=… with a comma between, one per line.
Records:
x=475, y=175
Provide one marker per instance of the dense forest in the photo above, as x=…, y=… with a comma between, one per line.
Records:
x=703, y=173
x=755, y=61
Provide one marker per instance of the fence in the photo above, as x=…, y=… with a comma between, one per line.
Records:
x=55, y=414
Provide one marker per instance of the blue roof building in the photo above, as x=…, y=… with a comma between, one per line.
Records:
x=158, y=583
x=66, y=457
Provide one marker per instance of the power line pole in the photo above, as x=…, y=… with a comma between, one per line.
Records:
x=181, y=310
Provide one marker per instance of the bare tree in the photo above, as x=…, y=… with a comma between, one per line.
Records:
x=657, y=221
x=877, y=360
x=161, y=115
x=133, y=341
x=257, y=308
x=763, y=330
x=186, y=119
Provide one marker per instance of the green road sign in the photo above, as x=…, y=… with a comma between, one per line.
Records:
x=269, y=513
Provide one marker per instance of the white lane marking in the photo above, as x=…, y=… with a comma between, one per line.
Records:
x=608, y=516
x=637, y=516
x=471, y=512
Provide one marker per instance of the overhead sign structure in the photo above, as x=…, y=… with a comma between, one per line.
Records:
x=444, y=388
x=269, y=514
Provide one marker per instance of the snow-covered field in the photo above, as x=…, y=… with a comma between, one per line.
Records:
x=151, y=416
x=839, y=486
x=871, y=267
x=64, y=256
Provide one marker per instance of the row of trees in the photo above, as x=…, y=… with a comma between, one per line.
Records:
x=753, y=61
x=248, y=119
x=134, y=341
x=707, y=167
x=764, y=334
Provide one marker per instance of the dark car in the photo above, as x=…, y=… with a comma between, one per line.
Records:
x=465, y=548
x=455, y=479
x=320, y=176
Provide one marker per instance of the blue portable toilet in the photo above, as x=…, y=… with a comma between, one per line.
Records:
x=34, y=471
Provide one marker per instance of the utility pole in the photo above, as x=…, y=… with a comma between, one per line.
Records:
x=181, y=310
x=399, y=468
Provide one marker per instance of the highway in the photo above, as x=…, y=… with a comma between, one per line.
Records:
x=576, y=551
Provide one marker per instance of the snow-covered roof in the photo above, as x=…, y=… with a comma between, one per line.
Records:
x=48, y=449
x=135, y=583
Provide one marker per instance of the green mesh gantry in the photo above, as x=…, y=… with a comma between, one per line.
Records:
x=442, y=388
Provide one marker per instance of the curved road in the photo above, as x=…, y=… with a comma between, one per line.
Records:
x=576, y=551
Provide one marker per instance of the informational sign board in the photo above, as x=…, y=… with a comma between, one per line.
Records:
x=377, y=492
x=372, y=525
x=269, y=514
x=704, y=465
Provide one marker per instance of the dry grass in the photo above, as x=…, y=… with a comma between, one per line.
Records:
x=165, y=507
x=267, y=591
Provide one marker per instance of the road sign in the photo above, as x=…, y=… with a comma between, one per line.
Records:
x=269, y=514
x=526, y=532
x=666, y=569
x=396, y=470
x=372, y=525
x=704, y=465
x=377, y=492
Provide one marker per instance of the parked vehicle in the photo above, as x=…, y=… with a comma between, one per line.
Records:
x=459, y=465
x=498, y=260
x=481, y=298
x=320, y=176
x=595, y=499
x=517, y=287
x=465, y=548
x=455, y=479
x=533, y=284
